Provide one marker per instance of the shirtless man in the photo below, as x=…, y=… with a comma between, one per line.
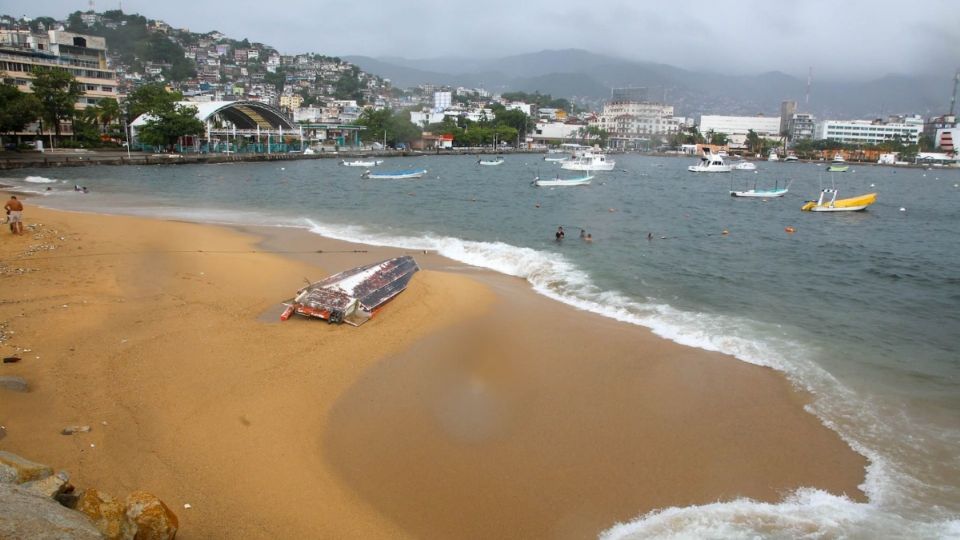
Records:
x=14, y=210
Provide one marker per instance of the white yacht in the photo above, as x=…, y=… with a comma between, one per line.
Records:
x=589, y=161
x=710, y=162
x=773, y=157
x=838, y=158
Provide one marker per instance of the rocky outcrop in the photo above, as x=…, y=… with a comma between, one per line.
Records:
x=106, y=513
x=17, y=470
x=24, y=514
x=150, y=518
x=29, y=508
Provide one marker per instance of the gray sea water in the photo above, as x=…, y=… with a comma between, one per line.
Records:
x=861, y=309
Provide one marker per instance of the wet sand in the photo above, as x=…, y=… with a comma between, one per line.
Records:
x=470, y=407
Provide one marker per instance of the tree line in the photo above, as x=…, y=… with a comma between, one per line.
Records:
x=53, y=103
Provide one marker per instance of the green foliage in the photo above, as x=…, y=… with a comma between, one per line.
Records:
x=347, y=86
x=150, y=98
x=169, y=124
x=540, y=100
x=396, y=125
x=718, y=138
x=599, y=133
x=17, y=109
x=57, y=92
x=277, y=80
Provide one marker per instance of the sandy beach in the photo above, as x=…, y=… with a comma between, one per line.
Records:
x=471, y=407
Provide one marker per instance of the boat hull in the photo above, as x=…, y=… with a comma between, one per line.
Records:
x=571, y=166
x=852, y=204
x=559, y=182
x=765, y=194
x=709, y=168
x=395, y=175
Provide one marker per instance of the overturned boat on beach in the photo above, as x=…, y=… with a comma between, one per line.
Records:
x=353, y=296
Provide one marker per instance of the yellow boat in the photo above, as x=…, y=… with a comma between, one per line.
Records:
x=828, y=202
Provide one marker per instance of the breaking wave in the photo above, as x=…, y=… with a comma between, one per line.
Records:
x=890, y=485
x=40, y=180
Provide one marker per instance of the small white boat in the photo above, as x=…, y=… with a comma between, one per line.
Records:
x=395, y=175
x=488, y=162
x=838, y=158
x=745, y=166
x=710, y=162
x=361, y=163
x=828, y=202
x=562, y=182
x=760, y=193
x=589, y=161
x=791, y=158
x=773, y=157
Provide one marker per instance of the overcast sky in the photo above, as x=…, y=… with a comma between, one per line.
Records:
x=838, y=38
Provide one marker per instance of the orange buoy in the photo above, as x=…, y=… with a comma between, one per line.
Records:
x=790, y=229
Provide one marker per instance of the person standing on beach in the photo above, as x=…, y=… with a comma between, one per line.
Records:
x=14, y=210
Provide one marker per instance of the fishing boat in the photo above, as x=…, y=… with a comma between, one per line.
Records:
x=745, y=166
x=828, y=202
x=761, y=193
x=589, y=161
x=497, y=161
x=838, y=168
x=710, y=162
x=394, y=175
x=361, y=163
x=562, y=182
x=353, y=296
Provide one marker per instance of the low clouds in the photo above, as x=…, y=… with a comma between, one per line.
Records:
x=839, y=39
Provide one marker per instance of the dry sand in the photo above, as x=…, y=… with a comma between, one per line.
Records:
x=469, y=408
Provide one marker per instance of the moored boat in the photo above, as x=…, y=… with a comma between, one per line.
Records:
x=361, y=163
x=497, y=161
x=562, y=182
x=773, y=157
x=394, y=175
x=589, y=161
x=710, y=162
x=838, y=168
x=838, y=158
x=745, y=166
x=353, y=296
x=761, y=193
x=828, y=202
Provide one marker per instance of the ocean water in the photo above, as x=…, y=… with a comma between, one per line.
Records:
x=861, y=309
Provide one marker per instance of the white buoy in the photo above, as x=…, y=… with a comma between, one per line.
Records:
x=873, y=185
x=283, y=168
x=902, y=209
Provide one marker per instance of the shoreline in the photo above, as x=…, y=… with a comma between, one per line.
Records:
x=477, y=376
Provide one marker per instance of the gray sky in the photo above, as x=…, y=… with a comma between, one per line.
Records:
x=838, y=38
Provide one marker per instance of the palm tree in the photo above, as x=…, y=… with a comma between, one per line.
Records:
x=108, y=112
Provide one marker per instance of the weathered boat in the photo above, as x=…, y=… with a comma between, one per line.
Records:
x=395, y=175
x=562, y=182
x=497, y=161
x=361, y=163
x=353, y=296
x=828, y=202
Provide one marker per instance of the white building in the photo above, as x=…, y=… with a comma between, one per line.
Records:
x=442, y=101
x=630, y=121
x=736, y=128
x=556, y=131
x=867, y=132
x=525, y=108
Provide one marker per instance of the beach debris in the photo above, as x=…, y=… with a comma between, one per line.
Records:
x=14, y=384
x=11, y=359
x=70, y=430
x=353, y=296
x=3, y=432
x=187, y=506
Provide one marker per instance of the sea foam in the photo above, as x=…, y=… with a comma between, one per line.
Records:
x=40, y=180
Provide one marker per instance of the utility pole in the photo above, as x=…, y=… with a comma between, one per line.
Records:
x=953, y=97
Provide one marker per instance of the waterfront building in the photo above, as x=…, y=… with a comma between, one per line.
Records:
x=736, y=128
x=787, y=110
x=936, y=123
x=801, y=126
x=869, y=132
x=83, y=56
x=629, y=122
x=546, y=132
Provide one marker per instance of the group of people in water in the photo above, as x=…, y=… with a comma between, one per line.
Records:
x=584, y=235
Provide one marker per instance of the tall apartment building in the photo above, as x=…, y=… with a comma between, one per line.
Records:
x=869, y=132
x=85, y=57
x=442, y=101
x=801, y=126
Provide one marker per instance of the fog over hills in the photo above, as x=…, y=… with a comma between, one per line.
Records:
x=588, y=77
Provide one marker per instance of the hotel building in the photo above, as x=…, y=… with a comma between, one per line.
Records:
x=83, y=56
x=869, y=132
x=736, y=128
